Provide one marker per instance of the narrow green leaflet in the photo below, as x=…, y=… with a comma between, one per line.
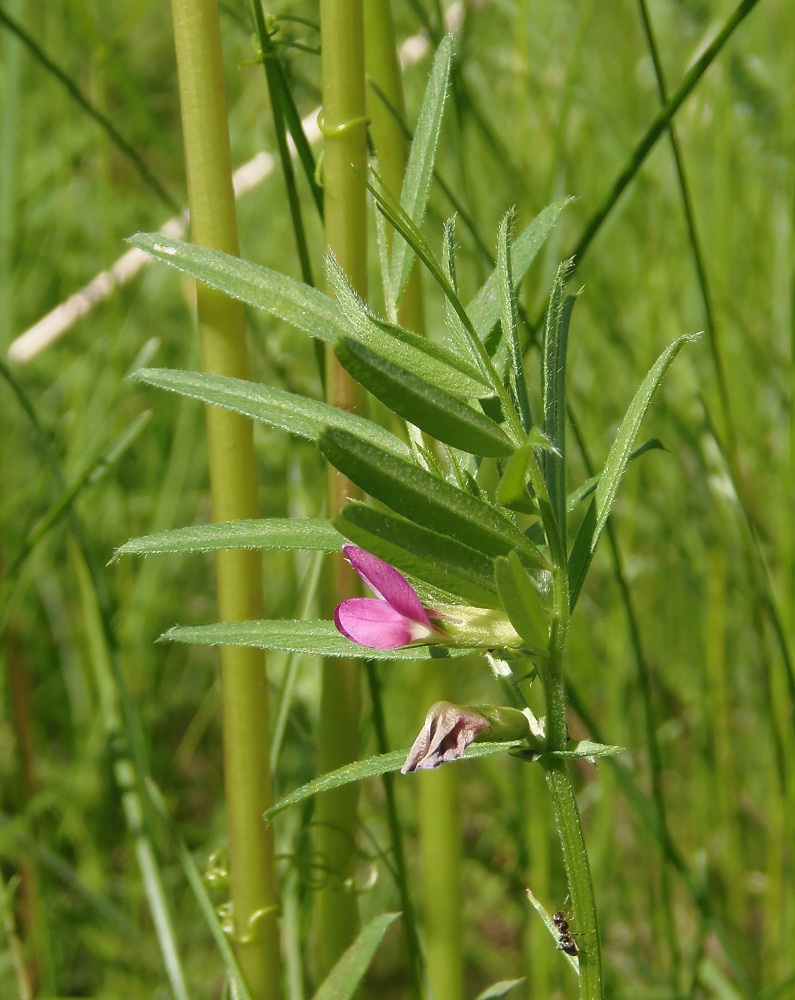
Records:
x=484, y=309
x=541, y=910
x=425, y=499
x=309, y=310
x=441, y=367
x=428, y=407
x=512, y=490
x=498, y=990
x=587, y=488
x=522, y=602
x=419, y=170
x=301, y=416
x=319, y=638
x=617, y=460
x=586, y=749
x=343, y=980
x=403, y=224
x=426, y=555
x=298, y=304
x=510, y=332
x=556, y=335
x=308, y=534
x=374, y=767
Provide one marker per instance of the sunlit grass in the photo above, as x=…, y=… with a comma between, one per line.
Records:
x=567, y=90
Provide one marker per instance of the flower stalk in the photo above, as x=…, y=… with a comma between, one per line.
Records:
x=344, y=166
x=233, y=485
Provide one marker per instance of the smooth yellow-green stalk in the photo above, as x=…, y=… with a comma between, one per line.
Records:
x=233, y=484
x=344, y=168
x=439, y=820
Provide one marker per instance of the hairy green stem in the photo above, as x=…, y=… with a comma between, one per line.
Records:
x=559, y=782
x=344, y=169
x=233, y=484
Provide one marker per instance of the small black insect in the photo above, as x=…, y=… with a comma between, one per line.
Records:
x=566, y=940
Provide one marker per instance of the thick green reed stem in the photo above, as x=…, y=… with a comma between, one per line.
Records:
x=233, y=487
x=344, y=168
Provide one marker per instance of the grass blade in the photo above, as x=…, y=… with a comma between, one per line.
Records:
x=196, y=882
x=615, y=467
x=107, y=126
x=343, y=980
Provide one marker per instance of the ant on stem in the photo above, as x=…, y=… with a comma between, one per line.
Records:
x=566, y=940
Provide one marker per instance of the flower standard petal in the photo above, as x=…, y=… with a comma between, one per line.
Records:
x=387, y=583
x=377, y=625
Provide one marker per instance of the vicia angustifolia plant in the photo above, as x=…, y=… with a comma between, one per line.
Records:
x=469, y=536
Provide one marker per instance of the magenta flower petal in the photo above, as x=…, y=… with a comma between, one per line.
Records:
x=387, y=583
x=376, y=624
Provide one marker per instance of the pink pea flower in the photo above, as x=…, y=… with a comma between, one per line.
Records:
x=394, y=617
x=448, y=731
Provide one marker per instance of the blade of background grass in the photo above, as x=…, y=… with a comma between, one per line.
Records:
x=280, y=96
x=196, y=882
x=107, y=126
x=656, y=129
x=129, y=777
x=343, y=980
x=402, y=880
x=647, y=814
x=699, y=262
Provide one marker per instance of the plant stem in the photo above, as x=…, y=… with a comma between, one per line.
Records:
x=578, y=873
x=344, y=170
x=559, y=782
x=254, y=893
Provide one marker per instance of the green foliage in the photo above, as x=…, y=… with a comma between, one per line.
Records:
x=680, y=645
x=428, y=407
x=344, y=978
x=311, y=637
x=372, y=768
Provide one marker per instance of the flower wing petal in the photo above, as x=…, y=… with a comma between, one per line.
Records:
x=376, y=624
x=387, y=583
